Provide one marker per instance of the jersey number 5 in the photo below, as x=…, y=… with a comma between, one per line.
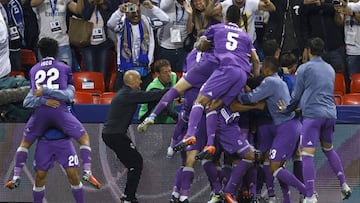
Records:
x=232, y=43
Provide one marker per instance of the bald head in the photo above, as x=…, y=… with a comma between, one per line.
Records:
x=132, y=79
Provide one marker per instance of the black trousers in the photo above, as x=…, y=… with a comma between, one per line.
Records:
x=128, y=155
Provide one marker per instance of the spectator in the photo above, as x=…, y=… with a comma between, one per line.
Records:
x=247, y=11
x=318, y=18
x=95, y=56
x=4, y=50
x=116, y=126
x=285, y=26
x=171, y=37
x=135, y=38
x=52, y=23
x=165, y=79
x=203, y=15
x=351, y=22
x=13, y=14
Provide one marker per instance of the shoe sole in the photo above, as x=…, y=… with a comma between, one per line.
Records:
x=180, y=146
x=11, y=185
x=92, y=181
x=346, y=195
x=229, y=199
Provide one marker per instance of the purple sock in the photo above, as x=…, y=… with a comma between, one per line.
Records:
x=177, y=180
x=187, y=178
x=237, y=176
x=211, y=124
x=78, y=193
x=288, y=178
x=309, y=174
x=20, y=159
x=285, y=191
x=194, y=118
x=165, y=100
x=225, y=174
x=213, y=176
x=38, y=194
x=269, y=180
x=252, y=177
x=335, y=164
x=85, y=156
x=298, y=170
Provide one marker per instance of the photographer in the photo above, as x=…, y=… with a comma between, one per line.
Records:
x=135, y=38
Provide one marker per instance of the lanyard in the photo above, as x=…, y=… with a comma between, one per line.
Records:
x=53, y=7
x=182, y=15
x=96, y=14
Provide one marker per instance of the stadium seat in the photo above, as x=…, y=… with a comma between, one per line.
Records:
x=339, y=85
x=351, y=99
x=355, y=83
x=83, y=97
x=337, y=99
x=106, y=97
x=89, y=82
x=27, y=58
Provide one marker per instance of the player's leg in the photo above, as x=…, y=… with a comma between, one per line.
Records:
x=187, y=175
x=326, y=140
x=39, y=187
x=76, y=185
x=168, y=97
x=310, y=137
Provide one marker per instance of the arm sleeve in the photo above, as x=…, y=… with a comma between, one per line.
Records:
x=262, y=92
x=297, y=92
x=115, y=22
x=31, y=101
x=140, y=96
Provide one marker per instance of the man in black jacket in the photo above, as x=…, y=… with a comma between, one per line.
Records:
x=114, y=134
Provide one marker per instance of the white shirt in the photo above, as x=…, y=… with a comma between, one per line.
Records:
x=352, y=36
x=354, y=6
x=178, y=21
x=249, y=9
x=5, y=66
x=52, y=20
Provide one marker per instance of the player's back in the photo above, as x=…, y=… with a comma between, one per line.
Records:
x=51, y=74
x=232, y=45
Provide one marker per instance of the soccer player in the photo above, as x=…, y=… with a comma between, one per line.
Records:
x=233, y=52
x=314, y=93
x=287, y=129
x=55, y=146
x=45, y=77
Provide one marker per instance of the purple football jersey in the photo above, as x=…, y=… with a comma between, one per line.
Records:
x=232, y=45
x=51, y=74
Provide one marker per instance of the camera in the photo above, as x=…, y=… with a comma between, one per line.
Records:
x=131, y=8
x=336, y=2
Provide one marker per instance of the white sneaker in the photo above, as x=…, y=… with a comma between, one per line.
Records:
x=345, y=191
x=170, y=152
x=312, y=199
